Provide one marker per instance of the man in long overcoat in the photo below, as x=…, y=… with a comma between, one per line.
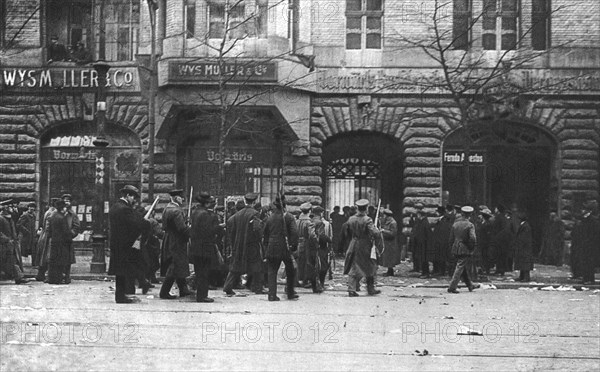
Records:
x=27, y=233
x=203, y=251
x=358, y=262
x=8, y=261
x=553, y=241
x=523, y=250
x=244, y=231
x=59, y=261
x=125, y=226
x=500, y=240
x=43, y=245
x=281, y=241
x=391, y=251
x=316, y=257
x=306, y=242
x=420, y=236
x=175, y=263
x=75, y=227
x=585, y=247
x=463, y=241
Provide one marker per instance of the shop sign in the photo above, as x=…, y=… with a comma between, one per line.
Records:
x=117, y=78
x=73, y=155
x=72, y=141
x=454, y=157
x=211, y=71
x=234, y=156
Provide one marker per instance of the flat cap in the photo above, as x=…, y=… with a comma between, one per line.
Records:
x=318, y=209
x=250, y=196
x=486, y=212
x=388, y=212
x=305, y=207
x=176, y=192
x=31, y=205
x=130, y=189
x=467, y=209
x=362, y=203
x=66, y=196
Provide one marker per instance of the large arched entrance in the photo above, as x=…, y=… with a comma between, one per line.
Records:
x=70, y=163
x=360, y=165
x=508, y=163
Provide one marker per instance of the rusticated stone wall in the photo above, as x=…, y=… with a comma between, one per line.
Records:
x=575, y=126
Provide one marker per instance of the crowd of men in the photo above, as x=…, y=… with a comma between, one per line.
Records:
x=247, y=239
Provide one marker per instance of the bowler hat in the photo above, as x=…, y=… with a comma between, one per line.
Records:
x=67, y=196
x=318, y=209
x=176, y=192
x=203, y=197
x=486, y=212
x=130, y=189
x=388, y=212
x=362, y=203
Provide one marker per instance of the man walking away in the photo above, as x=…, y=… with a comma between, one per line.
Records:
x=463, y=241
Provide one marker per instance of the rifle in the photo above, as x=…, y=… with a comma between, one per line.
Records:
x=151, y=208
x=331, y=255
x=190, y=204
x=374, y=252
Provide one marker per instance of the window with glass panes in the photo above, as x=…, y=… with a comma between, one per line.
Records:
x=461, y=30
x=540, y=24
x=190, y=19
x=364, y=24
x=500, y=24
x=244, y=21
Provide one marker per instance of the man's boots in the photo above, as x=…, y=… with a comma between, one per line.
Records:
x=165, y=289
x=183, y=289
x=371, y=286
x=67, y=274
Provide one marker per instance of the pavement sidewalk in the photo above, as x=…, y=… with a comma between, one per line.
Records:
x=542, y=276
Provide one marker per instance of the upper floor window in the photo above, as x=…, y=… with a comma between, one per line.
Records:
x=500, y=24
x=364, y=24
x=108, y=29
x=540, y=24
x=235, y=19
x=190, y=19
x=18, y=24
x=462, y=24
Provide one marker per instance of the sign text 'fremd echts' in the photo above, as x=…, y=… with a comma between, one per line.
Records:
x=62, y=78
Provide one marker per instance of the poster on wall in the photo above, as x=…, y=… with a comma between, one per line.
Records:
x=126, y=164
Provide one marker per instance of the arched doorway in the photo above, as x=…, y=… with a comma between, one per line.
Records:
x=70, y=163
x=362, y=164
x=509, y=163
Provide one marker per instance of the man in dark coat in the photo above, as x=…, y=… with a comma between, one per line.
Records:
x=337, y=220
x=359, y=263
x=74, y=226
x=43, y=246
x=500, y=240
x=484, y=237
x=438, y=243
x=391, y=251
x=203, y=251
x=59, y=261
x=463, y=242
x=280, y=238
x=420, y=236
x=175, y=263
x=523, y=249
x=307, y=241
x=553, y=242
x=8, y=260
x=126, y=226
x=345, y=237
x=316, y=259
x=27, y=233
x=585, y=247
x=244, y=231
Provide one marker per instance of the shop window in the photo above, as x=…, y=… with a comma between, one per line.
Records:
x=237, y=20
x=500, y=24
x=190, y=19
x=108, y=29
x=3, y=23
x=364, y=19
x=540, y=19
x=461, y=30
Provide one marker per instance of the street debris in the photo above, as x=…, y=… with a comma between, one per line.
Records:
x=421, y=353
x=585, y=289
x=528, y=289
x=575, y=299
x=496, y=317
x=548, y=288
x=463, y=330
x=565, y=288
x=448, y=317
x=415, y=285
x=488, y=286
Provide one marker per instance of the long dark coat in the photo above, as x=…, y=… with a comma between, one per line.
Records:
x=522, y=247
x=500, y=239
x=125, y=225
x=7, y=253
x=316, y=255
x=27, y=234
x=440, y=235
x=358, y=257
x=585, y=246
x=43, y=246
x=151, y=246
x=553, y=243
x=274, y=235
x=175, y=261
x=391, y=251
x=204, y=233
x=307, y=241
x=244, y=232
x=74, y=227
x=421, y=234
x=60, y=240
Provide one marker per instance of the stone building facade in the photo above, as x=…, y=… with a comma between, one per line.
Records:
x=331, y=116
